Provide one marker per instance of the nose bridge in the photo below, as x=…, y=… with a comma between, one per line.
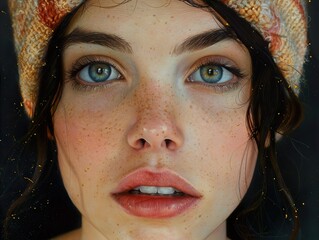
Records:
x=155, y=126
x=155, y=100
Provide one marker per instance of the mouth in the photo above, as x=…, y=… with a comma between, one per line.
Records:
x=157, y=191
x=155, y=194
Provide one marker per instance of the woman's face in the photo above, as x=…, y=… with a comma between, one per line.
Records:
x=150, y=129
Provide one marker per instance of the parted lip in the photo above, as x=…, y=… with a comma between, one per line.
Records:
x=159, y=178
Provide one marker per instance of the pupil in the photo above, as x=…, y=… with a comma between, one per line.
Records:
x=99, y=72
x=211, y=74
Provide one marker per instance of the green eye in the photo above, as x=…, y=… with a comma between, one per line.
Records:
x=211, y=73
x=99, y=72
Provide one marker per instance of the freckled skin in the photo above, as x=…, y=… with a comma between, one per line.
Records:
x=99, y=132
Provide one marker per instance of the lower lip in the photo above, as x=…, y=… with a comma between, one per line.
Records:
x=155, y=206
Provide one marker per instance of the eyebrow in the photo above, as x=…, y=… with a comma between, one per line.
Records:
x=112, y=41
x=193, y=43
x=204, y=40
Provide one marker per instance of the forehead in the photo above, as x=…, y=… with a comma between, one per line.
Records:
x=160, y=19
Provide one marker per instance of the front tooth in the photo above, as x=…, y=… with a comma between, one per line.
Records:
x=165, y=190
x=148, y=189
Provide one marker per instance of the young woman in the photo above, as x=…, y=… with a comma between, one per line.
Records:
x=160, y=110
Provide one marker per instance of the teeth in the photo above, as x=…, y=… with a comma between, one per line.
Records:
x=165, y=190
x=148, y=189
x=155, y=190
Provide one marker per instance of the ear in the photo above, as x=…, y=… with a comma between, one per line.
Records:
x=29, y=107
x=50, y=135
x=278, y=136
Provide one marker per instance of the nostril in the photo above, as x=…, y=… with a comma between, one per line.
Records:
x=167, y=142
x=158, y=137
x=142, y=141
x=139, y=143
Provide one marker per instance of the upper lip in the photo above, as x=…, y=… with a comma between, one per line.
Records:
x=159, y=178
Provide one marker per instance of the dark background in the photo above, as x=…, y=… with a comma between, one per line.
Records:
x=298, y=154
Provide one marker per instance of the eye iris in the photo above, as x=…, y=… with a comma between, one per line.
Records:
x=211, y=73
x=99, y=72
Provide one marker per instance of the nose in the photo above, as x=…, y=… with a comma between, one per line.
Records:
x=155, y=134
x=155, y=127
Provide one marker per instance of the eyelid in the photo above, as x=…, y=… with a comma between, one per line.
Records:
x=219, y=61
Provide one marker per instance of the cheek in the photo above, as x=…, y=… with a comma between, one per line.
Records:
x=229, y=150
x=87, y=142
x=227, y=154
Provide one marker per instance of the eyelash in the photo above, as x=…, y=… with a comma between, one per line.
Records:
x=216, y=61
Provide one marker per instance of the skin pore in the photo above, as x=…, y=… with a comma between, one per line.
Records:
x=153, y=111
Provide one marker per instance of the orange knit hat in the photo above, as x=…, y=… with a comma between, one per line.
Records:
x=281, y=22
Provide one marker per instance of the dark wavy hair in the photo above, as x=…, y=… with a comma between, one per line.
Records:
x=273, y=108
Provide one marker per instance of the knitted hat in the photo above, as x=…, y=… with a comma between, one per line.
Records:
x=281, y=22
